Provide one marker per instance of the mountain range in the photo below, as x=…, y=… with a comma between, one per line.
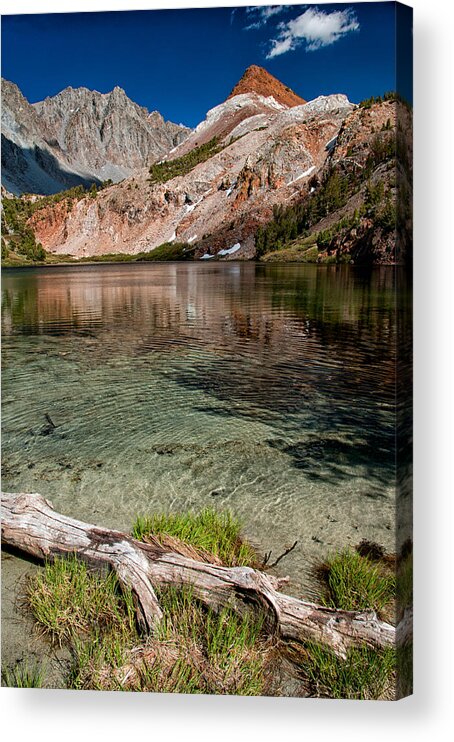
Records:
x=77, y=137
x=264, y=171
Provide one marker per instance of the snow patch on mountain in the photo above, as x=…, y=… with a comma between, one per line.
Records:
x=230, y=250
x=302, y=175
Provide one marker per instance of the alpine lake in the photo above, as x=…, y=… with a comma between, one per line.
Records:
x=266, y=389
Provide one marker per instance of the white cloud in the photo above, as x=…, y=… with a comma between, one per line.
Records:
x=260, y=14
x=315, y=28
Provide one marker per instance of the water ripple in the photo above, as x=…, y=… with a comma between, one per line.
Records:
x=266, y=389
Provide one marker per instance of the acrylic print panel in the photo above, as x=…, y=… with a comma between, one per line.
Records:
x=207, y=351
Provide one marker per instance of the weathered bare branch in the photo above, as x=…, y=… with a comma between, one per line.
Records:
x=30, y=523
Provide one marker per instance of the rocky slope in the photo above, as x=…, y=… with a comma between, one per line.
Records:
x=255, y=176
x=360, y=210
x=32, y=160
x=266, y=155
x=226, y=197
x=78, y=137
x=107, y=134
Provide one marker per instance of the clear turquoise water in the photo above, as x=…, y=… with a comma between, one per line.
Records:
x=265, y=389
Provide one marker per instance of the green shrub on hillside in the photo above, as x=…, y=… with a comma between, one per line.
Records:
x=18, y=237
x=369, y=102
x=161, y=172
x=291, y=222
x=168, y=251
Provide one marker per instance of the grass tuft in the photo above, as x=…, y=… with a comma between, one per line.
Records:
x=404, y=584
x=364, y=674
x=210, y=532
x=23, y=676
x=195, y=649
x=66, y=598
x=354, y=582
x=404, y=667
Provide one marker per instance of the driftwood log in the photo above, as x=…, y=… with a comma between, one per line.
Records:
x=30, y=524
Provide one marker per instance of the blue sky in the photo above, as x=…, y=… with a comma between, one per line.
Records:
x=183, y=62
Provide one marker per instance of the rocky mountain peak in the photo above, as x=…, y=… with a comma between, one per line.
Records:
x=78, y=136
x=258, y=80
x=10, y=90
x=118, y=94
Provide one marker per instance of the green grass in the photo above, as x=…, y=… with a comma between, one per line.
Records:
x=163, y=171
x=195, y=649
x=365, y=673
x=293, y=254
x=66, y=599
x=404, y=668
x=354, y=582
x=218, y=652
x=218, y=533
x=166, y=251
x=23, y=676
x=111, y=257
x=404, y=599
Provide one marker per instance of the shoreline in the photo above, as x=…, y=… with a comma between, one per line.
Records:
x=78, y=263
x=287, y=674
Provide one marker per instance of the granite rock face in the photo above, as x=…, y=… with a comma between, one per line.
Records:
x=32, y=160
x=107, y=134
x=78, y=136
